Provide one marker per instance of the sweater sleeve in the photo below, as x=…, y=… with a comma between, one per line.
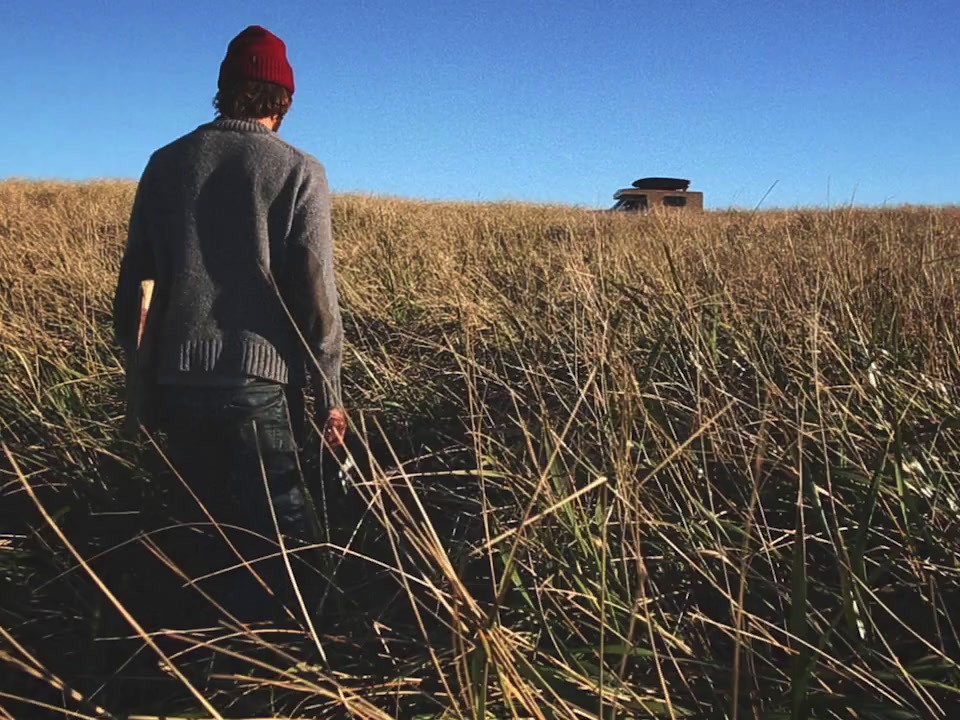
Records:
x=310, y=286
x=138, y=264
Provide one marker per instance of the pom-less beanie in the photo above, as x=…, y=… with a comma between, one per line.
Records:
x=256, y=54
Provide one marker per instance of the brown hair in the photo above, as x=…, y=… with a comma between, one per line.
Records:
x=252, y=100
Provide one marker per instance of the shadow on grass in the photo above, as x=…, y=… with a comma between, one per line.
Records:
x=132, y=520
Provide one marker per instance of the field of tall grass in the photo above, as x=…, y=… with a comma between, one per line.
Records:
x=601, y=466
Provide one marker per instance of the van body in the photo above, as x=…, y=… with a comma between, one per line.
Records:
x=649, y=193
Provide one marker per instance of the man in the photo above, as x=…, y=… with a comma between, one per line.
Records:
x=233, y=224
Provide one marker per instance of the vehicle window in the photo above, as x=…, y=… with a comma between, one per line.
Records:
x=632, y=204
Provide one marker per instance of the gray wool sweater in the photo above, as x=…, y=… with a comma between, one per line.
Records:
x=233, y=224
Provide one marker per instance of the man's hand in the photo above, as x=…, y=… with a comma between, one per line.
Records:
x=335, y=427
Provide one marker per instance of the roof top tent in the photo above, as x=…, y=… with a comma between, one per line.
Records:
x=652, y=192
x=659, y=183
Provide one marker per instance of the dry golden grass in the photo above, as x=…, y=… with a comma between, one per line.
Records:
x=613, y=466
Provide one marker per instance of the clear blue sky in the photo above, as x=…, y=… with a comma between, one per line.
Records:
x=832, y=100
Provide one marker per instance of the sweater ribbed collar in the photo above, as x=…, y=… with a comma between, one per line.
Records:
x=225, y=123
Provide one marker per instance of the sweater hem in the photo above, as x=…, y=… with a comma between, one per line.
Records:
x=214, y=356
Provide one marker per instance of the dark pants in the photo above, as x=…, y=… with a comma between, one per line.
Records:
x=230, y=444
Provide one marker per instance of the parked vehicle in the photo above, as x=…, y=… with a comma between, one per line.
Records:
x=652, y=192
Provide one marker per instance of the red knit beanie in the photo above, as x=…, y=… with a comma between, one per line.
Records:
x=256, y=54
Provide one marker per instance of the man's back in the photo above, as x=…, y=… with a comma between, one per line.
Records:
x=229, y=206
